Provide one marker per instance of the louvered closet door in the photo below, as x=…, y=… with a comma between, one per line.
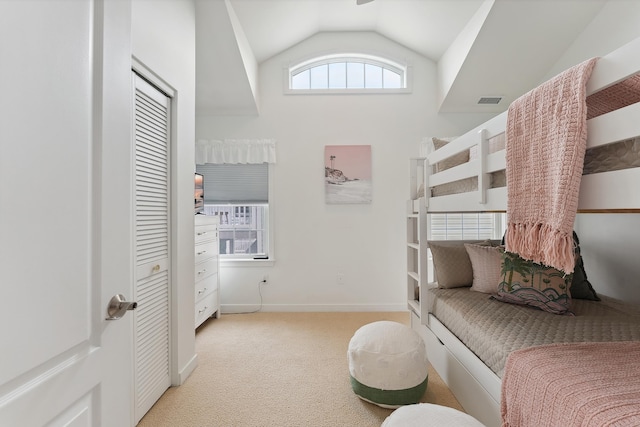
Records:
x=151, y=246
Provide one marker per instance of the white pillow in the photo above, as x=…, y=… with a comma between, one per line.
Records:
x=486, y=263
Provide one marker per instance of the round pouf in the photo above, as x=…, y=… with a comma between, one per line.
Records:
x=428, y=414
x=388, y=364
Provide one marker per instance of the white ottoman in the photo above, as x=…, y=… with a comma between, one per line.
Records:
x=388, y=364
x=428, y=414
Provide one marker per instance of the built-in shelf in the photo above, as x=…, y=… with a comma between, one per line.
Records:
x=416, y=236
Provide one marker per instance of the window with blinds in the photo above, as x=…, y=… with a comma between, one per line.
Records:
x=463, y=226
x=239, y=195
x=466, y=226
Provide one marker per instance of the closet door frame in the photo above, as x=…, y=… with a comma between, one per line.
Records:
x=141, y=71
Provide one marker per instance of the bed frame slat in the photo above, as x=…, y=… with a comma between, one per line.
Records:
x=615, y=67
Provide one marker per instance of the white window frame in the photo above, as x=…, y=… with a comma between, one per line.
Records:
x=234, y=260
x=403, y=69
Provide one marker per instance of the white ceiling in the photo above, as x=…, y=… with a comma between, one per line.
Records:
x=426, y=26
x=517, y=42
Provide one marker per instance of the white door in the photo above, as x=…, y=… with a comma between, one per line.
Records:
x=152, y=136
x=65, y=212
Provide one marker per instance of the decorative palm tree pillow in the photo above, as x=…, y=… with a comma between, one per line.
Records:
x=581, y=288
x=527, y=283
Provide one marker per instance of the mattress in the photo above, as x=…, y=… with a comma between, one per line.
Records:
x=619, y=155
x=492, y=329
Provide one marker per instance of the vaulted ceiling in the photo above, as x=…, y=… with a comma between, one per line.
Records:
x=482, y=47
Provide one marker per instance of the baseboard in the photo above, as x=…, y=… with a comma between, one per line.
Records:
x=187, y=370
x=249, y=308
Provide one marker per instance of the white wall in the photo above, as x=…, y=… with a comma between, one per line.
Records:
x=163, y=33
x=609, y=242
x=314, y=242
x=614, y=26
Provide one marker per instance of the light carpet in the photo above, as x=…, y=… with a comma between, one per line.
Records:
x=278, y=369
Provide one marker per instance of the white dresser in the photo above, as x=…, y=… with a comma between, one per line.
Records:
x=207, y=281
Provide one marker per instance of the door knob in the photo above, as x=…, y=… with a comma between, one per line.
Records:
x=118, y=307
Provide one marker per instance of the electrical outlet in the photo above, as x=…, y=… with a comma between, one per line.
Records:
x=265, y=279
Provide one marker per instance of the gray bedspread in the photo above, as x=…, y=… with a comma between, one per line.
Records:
x=492, y=329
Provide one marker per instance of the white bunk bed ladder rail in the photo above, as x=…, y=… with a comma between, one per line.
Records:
x=426, y=172
x=483, y=176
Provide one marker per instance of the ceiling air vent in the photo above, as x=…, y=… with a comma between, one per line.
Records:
x=490, y=100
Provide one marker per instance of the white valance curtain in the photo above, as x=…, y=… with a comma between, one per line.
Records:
x=236, y=151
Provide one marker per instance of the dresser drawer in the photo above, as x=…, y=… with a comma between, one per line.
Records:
x=206, y=268
x=206, y=307
x=205, y=251
x=205, y=233
x=205, y=287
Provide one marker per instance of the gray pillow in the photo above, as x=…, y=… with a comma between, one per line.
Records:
x=580, y=286
x=451, y=262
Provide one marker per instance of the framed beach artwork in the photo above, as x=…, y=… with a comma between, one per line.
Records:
x=347, y=174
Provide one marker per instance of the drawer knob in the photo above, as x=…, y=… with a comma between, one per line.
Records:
x=155, y=268
x=202, y=271
x=203, y=252
x=202, y=233
x=203, y=310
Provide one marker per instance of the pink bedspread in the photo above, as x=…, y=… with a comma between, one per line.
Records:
x=584, y=384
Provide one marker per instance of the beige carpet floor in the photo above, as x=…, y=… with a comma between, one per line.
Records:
x=277, y=369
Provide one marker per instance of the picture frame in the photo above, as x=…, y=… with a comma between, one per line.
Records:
x=347, y=174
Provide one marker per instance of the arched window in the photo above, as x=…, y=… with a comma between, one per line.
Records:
x=346, y=73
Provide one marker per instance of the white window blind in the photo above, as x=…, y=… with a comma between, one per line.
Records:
x=465, y=226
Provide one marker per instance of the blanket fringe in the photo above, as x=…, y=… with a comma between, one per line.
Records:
x=542, y=244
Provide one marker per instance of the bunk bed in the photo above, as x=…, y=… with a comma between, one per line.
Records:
x=470, y=336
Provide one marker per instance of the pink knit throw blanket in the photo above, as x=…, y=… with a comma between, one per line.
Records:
x=546, y=138
x=572, y=385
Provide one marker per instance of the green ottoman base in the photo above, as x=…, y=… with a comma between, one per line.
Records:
x=389, y=398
